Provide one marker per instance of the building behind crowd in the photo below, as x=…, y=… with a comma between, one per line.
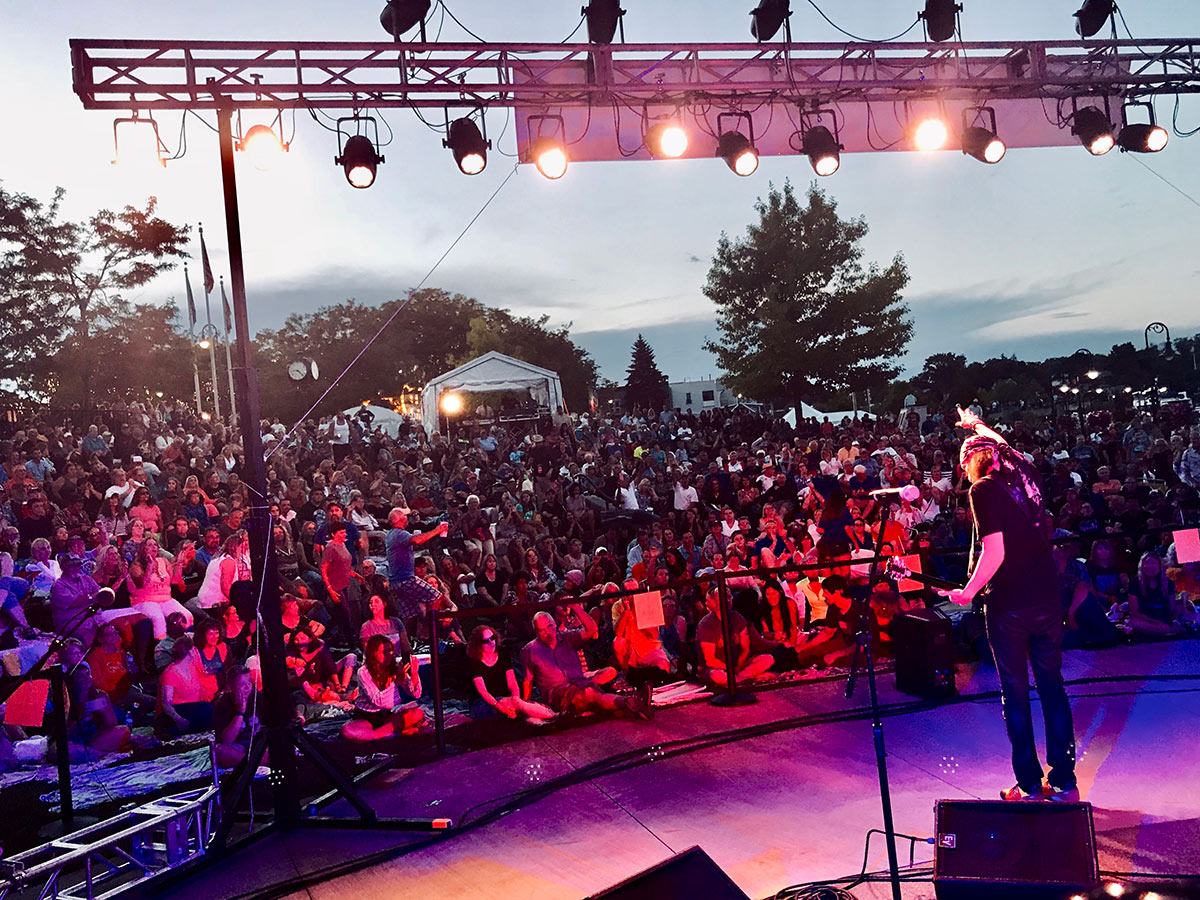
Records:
x=702, y=394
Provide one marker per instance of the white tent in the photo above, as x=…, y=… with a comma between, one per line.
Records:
x=492, y=372
x=385, y=417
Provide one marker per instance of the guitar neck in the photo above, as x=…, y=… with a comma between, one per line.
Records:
x=931, y=580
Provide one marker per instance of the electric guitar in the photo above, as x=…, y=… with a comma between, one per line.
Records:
x=898, y=571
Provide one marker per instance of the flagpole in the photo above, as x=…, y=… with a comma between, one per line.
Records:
x=212, y=330
x=228, y=357
x=192, y=339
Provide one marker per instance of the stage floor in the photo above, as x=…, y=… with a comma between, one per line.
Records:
x=771, y=810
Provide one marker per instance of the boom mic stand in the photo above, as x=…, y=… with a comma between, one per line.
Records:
x=862, y=646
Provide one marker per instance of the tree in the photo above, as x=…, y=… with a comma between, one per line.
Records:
x=943, y=375
x=799, y=316
x=646, y=385
x=73, y=273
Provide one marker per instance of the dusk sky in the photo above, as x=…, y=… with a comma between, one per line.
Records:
x=1046, y=252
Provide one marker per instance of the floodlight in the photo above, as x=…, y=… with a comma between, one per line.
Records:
x=262, y=146
x=468, y=145
x=359, y=159
x=983, y=144
x=1091, y=17
x=940, y=16
x=667, y=140
x=768, y=17
x=400, y=16
x=930, y=134
x=1142, y=138
x=550, y=156
x=738, y=152
x=822, y=149
x=1091, y=126
x=602, y=18
x=451, y=404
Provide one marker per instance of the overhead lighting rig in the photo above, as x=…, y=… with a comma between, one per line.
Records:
x=468, y=144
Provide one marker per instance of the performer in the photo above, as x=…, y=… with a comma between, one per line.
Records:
x=411, y=595
x=1017, y=578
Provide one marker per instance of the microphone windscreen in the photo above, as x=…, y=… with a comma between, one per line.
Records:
x=910, y=492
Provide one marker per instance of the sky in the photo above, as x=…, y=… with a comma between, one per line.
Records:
x=1049, y=251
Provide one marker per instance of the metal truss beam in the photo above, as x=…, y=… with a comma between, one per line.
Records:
x=161, y=75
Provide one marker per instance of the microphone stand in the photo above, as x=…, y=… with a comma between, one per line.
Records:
x=862, y=646
x=57, y=678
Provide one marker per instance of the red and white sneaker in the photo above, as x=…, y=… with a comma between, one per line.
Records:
x=1015, y=793
x=1069, y=795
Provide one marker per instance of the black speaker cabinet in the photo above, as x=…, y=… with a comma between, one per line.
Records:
x=690, y=875
x=924, y=649
x=998, y=850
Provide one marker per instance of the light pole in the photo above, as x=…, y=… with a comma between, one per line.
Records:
x=208, y=341
x=1157, y=328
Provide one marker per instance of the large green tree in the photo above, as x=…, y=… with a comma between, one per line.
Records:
x=645, y=383
x=943, y=375
x=800, y=315
x=64, y=279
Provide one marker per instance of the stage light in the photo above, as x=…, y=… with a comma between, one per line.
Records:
x=930, y=134
x=667, y=140
x=602, y=18
x=1142, y=138
x=982, y=144
x=822, y=149
x=147, y=150
x=939, y=16
x=467, y=144
x=768, y=17
x=1114, y=889
x=737, y=151
x=1093, y=129
x=400, y=16
x=1091, y=17
x=1093, y=374
x=359, y=159
x=451, y=404
x=262, y=147
x=550, y=157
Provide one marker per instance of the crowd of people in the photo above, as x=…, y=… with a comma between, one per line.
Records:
x=125, y=530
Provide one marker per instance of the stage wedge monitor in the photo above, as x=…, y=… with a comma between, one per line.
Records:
x=690, y=875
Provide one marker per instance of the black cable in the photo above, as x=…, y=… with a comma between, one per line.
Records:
x=578, y=25
x=446, y=9
x=916, y=22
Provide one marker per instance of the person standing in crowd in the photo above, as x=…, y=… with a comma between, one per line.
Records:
x=411, y=595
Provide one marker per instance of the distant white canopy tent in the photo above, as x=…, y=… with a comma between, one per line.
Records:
x=492, y=372
x=385, y=417
x=811, y=412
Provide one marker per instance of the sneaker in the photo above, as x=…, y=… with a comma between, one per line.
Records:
x=1017, y=794
x=637, y=706
x=1068, y=795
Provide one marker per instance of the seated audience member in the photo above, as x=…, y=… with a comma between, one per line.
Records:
x=710, y=639
x=211, y=648
x=91, y=720
x=496, y=683
x=233, y=718
x=384, y=707
x=111, y=672
x=1087, y=623
x=1154, y=606
x=149, y=581
x=636, y=648
x=177, y=625
x=236, y=634
x=185, y=693
x=834, y=638
x=315, y=675
x=552, y=662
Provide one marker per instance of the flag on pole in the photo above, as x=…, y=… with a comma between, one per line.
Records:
x=191, y=299
x=228, y=313
x=208, y=275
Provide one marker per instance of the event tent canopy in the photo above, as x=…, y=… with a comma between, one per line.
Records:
x=492, y=372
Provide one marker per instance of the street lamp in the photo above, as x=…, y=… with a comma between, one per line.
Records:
x=1157, y=328
x=208, y=341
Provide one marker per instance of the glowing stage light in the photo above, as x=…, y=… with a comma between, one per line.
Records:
x=359, y=159
x=1142, y=138
x=143, y=146
x=1091, y=17
x=822, y=149
x=667, y=140
x=930, y=134
x=262, y=147
x=550, y=157
x=1093, y=129
x=982, y=144
x=939, y=16
x=737, y=151
x=451, y=404
x=467, y=143
x=768, y=17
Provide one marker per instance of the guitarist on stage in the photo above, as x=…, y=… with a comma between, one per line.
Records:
x=1017, y=578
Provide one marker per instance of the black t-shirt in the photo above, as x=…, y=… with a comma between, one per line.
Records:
x=1028, y=577
x=495, y=678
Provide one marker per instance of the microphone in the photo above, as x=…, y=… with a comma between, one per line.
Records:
x=909, y=492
